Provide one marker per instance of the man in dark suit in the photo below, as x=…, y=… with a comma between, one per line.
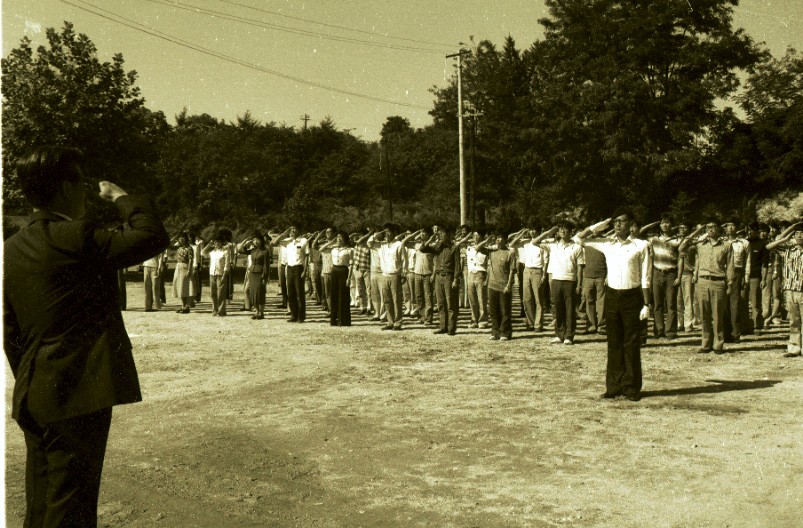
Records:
x=64, y=333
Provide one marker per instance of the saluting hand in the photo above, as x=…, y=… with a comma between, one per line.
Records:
x=110, y=191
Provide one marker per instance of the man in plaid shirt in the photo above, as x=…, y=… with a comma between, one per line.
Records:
x=791, y=242
x=362, y=271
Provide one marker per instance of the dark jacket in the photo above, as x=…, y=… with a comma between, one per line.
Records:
x=64, y=333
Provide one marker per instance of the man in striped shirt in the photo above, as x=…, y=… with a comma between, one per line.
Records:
x=791, y=241
x=665, y=278
x=362, y=271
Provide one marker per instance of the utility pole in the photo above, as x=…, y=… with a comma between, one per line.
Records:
x=474, y=115
x=463, y=208
x=305, y=118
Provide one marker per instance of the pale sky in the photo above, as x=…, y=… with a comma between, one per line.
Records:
x=296, y=39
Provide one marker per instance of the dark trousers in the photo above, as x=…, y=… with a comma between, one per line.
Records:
x=520, y=277
x=283, y=283
x=735, y=307
x=295, y=293
x=447, y=302
x=754, y=301
x=340, y=297
x=500, y=306
x=121, y=288
x=665, y=297
x=63, y=469
x=196, y=280
x=563, y=308
x=623, y=371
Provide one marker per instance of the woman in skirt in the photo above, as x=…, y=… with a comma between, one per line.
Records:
x=257, y=272
x=183, y=286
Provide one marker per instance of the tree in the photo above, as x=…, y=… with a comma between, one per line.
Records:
x=63, y=94
x=624, y=89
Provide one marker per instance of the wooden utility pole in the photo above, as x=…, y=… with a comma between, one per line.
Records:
x=474, y=115
x=463, y=205
x=305, y=118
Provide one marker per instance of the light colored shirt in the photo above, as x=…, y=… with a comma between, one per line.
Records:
x=326, y=261
x=154, y=262
x=391, y=257
x=282, y=255
x=219, y=261
x=341, y=256
x=297, y=250
x=741, y=254
x=476, y=260
x=411, y=256
x=628, y=261
x=376, y=260
x=715, y=259
x=564, y=257
x=423, y=261
x=533, y=256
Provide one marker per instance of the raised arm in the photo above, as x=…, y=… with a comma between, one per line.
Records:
x=784, y=237
x=646, y=228
x=593, y=229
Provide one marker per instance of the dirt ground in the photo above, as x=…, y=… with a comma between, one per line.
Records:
x=266, y=423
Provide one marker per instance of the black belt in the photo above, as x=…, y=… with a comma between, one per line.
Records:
x=712, y=278
x=668, y=270
x=534, y=268
x=444, y=273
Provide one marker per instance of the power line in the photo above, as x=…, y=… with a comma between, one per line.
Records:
x=195, y=47
x=287, y=29
x=376, y=33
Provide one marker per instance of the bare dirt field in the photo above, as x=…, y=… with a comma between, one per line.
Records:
x=266, y=423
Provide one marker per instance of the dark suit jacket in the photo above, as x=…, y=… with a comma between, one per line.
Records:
x=64, y=333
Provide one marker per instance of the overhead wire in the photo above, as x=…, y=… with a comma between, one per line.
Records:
x=132, y=24
x=287, y=29
x=335, y=26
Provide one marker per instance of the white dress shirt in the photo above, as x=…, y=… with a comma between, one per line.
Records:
x=628, y=261
x=297, y=251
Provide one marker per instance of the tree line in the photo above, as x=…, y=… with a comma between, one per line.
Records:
x=653, y=105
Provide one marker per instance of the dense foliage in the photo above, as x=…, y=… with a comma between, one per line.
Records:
x=622, y=102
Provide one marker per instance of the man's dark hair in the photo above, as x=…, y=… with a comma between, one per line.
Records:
x=221, y=235
x=667, y=217
x=42, y=172
x=562, y=223
x=684, y=222
x=393, y=228
x=624, y=211
x=753, y=226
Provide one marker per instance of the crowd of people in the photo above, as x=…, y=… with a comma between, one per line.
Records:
x=723, y=279
x=64, y=287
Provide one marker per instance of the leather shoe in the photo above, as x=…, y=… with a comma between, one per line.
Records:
x=609, y=395
x=633, y=397
x=439, y=332
x=704, y=351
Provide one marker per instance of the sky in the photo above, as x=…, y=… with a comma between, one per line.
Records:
x=354, y=61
